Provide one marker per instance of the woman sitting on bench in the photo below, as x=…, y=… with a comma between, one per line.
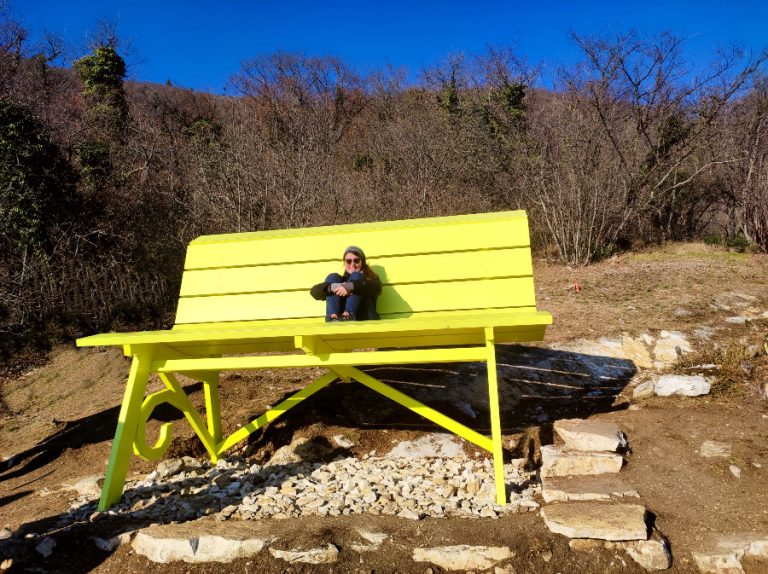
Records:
x=351, y=296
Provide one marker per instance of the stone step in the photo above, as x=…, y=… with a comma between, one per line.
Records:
x=199, y=542
x=580, y=434
x=559, y=461
x=463, y=557
x=596, y=487
x=651, y=554
x=597, y=520
x=723, y=554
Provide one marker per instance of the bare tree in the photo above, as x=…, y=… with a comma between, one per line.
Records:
x=655, y=122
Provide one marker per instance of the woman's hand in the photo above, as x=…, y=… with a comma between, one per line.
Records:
x=341, y=291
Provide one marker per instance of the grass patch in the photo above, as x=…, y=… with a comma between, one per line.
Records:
x=708, y=255
x=738, y=367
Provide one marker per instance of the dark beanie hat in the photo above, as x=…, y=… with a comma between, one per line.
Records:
x=357, y=251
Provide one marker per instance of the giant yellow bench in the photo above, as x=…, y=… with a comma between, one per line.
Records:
x=452, y=288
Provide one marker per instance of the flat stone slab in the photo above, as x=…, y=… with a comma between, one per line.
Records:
x=558, y=461
x=198, y=542
x=597, y=520
x=650, y=554
x=439, y=445
x=599, y=487
x=463, y=557
x=669, y=346
x=713, y=448
x=88, y=486
x=723, y=554
x=685, y=385
x=324, y=555
x=374, y=540
x=580, y=434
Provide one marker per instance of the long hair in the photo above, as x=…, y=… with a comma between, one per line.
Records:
x=368, y=272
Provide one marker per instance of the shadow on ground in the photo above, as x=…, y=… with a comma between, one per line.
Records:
x=91, y=429
x=536, y=387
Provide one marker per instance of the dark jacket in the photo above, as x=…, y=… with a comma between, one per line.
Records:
x=368, y=289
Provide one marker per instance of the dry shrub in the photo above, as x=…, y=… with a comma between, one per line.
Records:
x=741, y=366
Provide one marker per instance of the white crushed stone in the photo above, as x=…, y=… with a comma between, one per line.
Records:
x=411, y=487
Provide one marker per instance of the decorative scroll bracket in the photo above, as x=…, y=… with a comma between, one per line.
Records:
x=175, y=396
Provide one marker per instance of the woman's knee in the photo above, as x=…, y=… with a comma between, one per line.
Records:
x=356, y=276
x=334, y=278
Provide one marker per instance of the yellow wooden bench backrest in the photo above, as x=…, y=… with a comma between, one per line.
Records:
x=426, y=265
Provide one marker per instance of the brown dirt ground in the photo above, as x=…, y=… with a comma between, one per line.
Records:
x=58, y=421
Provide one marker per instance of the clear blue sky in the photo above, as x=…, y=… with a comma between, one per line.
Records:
x=200, y=44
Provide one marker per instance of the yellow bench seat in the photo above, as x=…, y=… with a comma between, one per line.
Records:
x=465, y=326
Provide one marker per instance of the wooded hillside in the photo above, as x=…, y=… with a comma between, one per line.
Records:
x=103, y=182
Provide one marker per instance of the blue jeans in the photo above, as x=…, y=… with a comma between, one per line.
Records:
x=336, y=305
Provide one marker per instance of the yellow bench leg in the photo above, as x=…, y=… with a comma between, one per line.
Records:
x=212, y=405
x=122, y=445
x=493, y=401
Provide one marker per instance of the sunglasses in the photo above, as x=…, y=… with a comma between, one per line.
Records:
x=352, y=260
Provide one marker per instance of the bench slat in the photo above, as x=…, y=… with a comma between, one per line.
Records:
x=328, y=243
x=474, y=294
x=391, y=270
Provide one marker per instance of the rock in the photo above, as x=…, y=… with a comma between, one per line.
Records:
x=327, y=555
x=466, y=408
x=409, y=514
x=636, y=351
x=722, y=555
x=599, y=487
x=301, y=449
x=625, y=348
x=431, y=445
x=342, y=441
x=89, y=486
x=669, y=346
x=191, y=463
x=109, y=544
x=704, y=332
x=686, y=385
x=463, y=557
x=556, y=461
x=643, y=390
x=735, y=470
x=597, y=520
x=170, y=467
x=375, y=539
x=45, y=546
x=713, y=448
x=5, y=533
x=736, y=320
x=650, y=554
x=190, y=543
x=732, y=300
x=580, y=434
x=508, y=569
